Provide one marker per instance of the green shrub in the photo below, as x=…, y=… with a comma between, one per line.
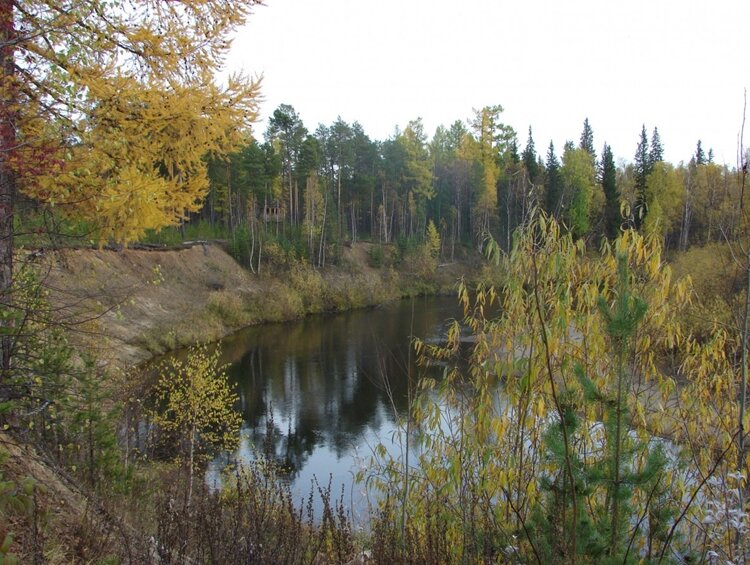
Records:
x=377, y=256
x=406, y=246
x=15, y=500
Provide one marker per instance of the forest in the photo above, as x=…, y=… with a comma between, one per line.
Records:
x=598, y=415
x=471, y=180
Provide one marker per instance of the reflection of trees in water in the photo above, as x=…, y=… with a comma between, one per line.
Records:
x=320, y=380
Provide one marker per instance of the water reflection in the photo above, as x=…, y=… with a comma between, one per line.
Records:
x=314, y=393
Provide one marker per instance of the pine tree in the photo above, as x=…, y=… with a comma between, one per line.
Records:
x=612, y=475
x=587, y=139
x=285, y=128
x=611, y=194
x=642, y=166
x=93, y=427
x=553, y=183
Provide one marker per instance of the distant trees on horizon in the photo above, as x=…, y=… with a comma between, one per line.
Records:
x=337, y=185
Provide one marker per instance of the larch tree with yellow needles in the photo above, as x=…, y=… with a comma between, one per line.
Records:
x=107, y=110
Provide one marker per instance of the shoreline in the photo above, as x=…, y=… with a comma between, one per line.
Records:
x=131, y=305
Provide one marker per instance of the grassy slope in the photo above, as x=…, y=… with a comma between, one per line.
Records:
x=146, y=302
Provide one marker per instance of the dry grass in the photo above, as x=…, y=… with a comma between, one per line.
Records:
x=65, y=525
x=147, y=302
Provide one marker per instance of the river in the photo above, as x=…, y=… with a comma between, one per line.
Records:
x=319, y=394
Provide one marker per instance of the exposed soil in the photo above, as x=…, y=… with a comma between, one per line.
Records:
x=131, y=304
x=128, y=294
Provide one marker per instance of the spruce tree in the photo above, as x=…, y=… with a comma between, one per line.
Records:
x=513, y=151
x=553, y=183
x=587, y=139
x=530, y=159
x=657, y=150
x=700, y=156
x=611, y=194
x=642, y=166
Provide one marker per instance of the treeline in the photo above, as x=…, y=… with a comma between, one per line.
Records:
x=318, y=190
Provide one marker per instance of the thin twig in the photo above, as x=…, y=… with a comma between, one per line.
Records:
x=566, y=440
x=692, y=498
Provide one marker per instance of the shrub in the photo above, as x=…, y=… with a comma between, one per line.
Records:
x=309, y=285
x=252, y=519
x=377, y=256
x=564, y=462
x=229, y=308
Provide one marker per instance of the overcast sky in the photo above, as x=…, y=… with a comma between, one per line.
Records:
x=680, y=65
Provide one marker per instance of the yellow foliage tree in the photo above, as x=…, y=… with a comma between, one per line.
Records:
x=665, y=194
x=107, y=109
x=140, y=161
x=486, y=125
x=196, y=406
x=432, y=240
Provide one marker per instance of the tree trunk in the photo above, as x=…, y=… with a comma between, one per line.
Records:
x=296, y=203
x=508, y=200
x=191, y=458
x=230, y=211
x=321, y=254
x=338, y=205
x=384, y=227
x=7, y=183
x=291, y=200
x=252, y=243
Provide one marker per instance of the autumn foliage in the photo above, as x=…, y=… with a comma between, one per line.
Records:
x=115, y=105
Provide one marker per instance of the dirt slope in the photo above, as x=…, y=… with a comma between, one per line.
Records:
x=145, y=302
x=130, y=295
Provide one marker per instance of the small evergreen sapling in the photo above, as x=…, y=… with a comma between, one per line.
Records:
x=607, y=475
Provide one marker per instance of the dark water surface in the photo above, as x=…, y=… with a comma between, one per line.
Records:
x=314, y=393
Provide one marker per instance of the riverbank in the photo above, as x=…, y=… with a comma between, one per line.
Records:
x=132, y=304
x=125, y=306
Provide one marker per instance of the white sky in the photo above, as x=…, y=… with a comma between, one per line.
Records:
x=680, y=65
